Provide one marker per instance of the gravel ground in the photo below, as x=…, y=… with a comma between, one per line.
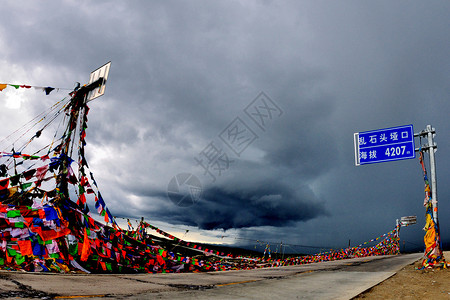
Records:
x=410, y=283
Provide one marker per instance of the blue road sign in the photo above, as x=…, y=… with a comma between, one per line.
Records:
x=389, y=144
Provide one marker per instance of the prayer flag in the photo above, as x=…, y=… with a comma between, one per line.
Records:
x=38, y=249
x=13, y=214
x=25, y=247
x=4, y=183
x=20, y=259
x=29, y=174
x=48, y=90
x=50, y=213
x=86, y=249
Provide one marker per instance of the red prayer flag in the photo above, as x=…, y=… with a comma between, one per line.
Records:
x=41, y=171
x=25, y=247
x=160, y=260
x=86, y=250
x=81, y=199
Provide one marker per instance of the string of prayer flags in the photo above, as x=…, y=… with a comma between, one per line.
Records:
x=46, y=89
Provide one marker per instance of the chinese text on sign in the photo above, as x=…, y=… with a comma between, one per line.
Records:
x=389, y=144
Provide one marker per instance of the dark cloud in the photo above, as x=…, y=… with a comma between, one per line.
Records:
x=267, y=204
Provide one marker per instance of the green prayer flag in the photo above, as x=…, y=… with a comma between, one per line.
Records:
x=11, y=252
x=25, y=185
x=20, y=259
x=13, y=213
x=19, y=225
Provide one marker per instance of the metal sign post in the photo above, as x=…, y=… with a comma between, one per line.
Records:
x=431, y=150
x=404, y=222
x=431, y=147
x=433, y=248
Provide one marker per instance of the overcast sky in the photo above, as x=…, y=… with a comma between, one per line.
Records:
x=272, y=90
